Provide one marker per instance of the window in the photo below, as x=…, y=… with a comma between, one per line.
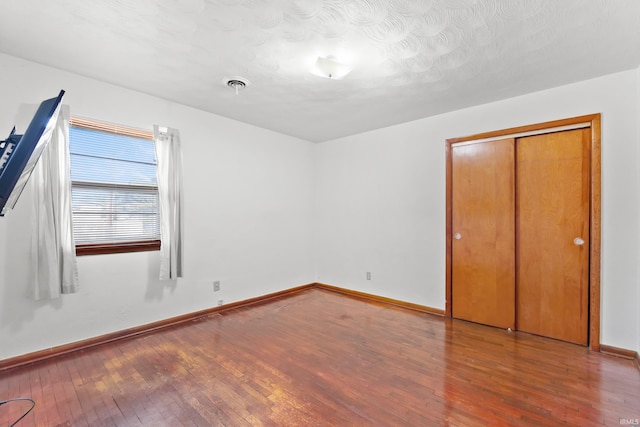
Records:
x=114, y=189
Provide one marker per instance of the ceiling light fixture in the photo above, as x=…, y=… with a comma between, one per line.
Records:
x=237, y=83
x=330, y=68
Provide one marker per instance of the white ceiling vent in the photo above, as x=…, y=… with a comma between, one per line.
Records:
x=236, y=82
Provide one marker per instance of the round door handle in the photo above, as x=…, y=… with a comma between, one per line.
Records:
x=457, y=236
x=578, y=241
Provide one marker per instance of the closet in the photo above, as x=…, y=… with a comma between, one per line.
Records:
x=521, y=210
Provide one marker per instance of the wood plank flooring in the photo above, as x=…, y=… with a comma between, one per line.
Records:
x=318, y=358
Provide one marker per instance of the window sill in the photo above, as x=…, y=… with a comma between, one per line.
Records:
x=117, y=248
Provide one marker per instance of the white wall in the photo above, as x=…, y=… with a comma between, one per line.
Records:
x=637, y=311
x=247, y=207
x=380, y=203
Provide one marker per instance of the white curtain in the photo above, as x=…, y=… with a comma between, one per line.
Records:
x=53, y=249
x=169, y=174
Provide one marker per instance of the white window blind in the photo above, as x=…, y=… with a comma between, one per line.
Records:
x=114, y=188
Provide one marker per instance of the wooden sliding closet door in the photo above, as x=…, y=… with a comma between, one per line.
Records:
x=483, y=227
x=552, y=228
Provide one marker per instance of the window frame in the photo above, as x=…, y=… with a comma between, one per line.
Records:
x=118, y=247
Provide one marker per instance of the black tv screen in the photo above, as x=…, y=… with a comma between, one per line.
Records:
x=20, y=153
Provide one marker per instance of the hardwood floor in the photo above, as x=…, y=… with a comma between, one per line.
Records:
x=318, y=358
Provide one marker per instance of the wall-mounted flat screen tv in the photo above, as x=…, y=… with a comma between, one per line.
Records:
x=20, y=153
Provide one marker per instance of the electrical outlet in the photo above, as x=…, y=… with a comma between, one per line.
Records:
x=368, y=275
x=216, y=286
x=220, y=302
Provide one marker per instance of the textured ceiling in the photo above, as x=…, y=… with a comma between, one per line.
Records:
x=411, y=58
